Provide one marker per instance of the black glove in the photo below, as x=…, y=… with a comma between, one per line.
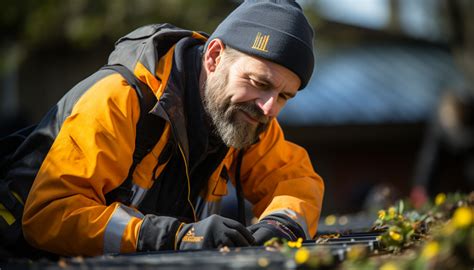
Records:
x=212, y=232
x=276, y=225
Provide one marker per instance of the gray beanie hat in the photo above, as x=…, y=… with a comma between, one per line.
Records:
x=275, y=30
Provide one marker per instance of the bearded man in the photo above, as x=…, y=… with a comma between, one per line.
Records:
x=214, y=116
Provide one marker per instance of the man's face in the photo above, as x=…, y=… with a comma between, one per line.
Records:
x=244, y=93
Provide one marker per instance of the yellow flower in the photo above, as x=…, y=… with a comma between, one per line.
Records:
x=430, y=250
x=395, y=236
x=407, y=224
x=389, y=266
x=381, y=214
x=462, y=217
x=356, y=252
x=301, y=255
x=295, y=244
x=440, y=199
x=330, y=220
x=263, y=262
x=391, y=212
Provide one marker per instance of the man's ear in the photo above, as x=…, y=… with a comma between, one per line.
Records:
x=213, y=54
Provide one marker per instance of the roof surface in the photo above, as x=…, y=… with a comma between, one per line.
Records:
x=374, y=84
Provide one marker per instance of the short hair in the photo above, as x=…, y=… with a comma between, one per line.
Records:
x=232, y=54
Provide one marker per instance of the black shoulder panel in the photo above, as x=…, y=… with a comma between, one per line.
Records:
x=149, y=130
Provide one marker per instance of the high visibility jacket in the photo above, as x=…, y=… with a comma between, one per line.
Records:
x=82, y=151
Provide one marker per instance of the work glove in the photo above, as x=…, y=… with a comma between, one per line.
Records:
x=212, y=232
x=276, y=225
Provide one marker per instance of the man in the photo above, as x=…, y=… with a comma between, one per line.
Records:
x=218, y=99
x=449, y=137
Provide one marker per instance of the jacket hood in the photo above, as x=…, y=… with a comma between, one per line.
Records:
x=141, y=49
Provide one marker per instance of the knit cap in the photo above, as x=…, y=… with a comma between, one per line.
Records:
x=276, y=30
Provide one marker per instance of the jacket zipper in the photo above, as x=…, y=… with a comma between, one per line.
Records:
x=188, y=180
x=174, y=133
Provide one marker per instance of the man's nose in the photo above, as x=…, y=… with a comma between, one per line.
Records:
x=268, y=104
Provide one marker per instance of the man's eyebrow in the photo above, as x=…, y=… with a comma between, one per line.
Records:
x=289, y=94
x=264, y=79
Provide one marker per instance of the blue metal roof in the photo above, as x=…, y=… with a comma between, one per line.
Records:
x=373, y=84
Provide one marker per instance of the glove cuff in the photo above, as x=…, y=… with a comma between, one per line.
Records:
x=158, y=233
x=285, y=225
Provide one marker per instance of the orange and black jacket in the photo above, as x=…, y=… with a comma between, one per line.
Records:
x=82, y=151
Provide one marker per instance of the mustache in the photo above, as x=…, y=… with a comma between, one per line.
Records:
x=253, y=110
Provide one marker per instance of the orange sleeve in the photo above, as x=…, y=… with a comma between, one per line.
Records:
x=277, y=176
x=65, y=212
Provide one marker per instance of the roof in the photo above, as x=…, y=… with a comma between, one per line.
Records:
x=374, y=84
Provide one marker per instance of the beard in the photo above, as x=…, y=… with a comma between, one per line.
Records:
x=233, y=132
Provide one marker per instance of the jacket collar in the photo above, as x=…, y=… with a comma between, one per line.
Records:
x=171, y=105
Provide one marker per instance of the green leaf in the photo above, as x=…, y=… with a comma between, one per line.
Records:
x=401, y=207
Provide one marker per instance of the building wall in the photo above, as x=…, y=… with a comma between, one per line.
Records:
x=355, y=160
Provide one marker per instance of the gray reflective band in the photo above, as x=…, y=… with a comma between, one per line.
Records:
x=116, y=226
x=297, y=218
x=138, y=195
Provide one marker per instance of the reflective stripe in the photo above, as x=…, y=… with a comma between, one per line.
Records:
x=297, y=218
x=138, y=195
x=18, y=197
x=6, y=215
x=116, y=226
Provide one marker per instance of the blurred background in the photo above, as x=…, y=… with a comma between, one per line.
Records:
x=388, y=113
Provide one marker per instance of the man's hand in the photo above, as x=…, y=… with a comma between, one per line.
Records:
x=279, y=226
x=212, y=232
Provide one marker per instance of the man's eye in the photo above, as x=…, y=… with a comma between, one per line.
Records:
x=258, y=84
x=284, y=97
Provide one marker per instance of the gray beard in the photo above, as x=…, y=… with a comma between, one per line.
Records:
x=234, y=133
